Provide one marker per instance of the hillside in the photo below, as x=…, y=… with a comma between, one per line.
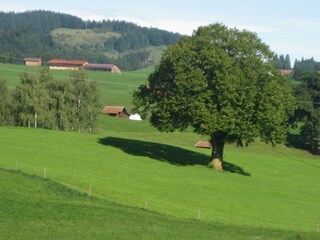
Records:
x=47, y=210
x=132, y=164
x=99, y=41
x=50, y=35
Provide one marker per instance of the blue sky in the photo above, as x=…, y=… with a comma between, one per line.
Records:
x=288, y=27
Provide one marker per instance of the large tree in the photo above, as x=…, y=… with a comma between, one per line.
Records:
x=224, y=84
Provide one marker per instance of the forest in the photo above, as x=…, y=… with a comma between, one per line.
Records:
x=28, y=34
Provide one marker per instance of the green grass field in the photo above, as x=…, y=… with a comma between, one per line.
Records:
x=131, y=164
x=34, y=208
x=116, y=89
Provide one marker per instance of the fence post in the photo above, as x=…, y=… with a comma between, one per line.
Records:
x=199, y=215
x=146, y=204
x=89, y=193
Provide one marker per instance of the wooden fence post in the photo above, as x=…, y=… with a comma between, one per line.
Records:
x=89, y=193
x=146, y=204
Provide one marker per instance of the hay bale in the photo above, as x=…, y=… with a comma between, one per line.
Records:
x=217, y=164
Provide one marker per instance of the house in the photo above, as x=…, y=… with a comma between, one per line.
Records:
x=203, y=144
x=102, y=67
x=286, y=71
x=66, y=64
x=116, y=111
x=32, y=61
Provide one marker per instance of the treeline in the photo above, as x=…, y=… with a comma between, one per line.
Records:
x=307, y=93
x=28, y=34
x=38, y=21
x=300, y=66
x=133, y=37
x=282, y=62
x=40, y=101
x=308, y=109
x=306, y=65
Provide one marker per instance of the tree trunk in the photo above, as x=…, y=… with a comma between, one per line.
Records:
x=35, y=120
x=217, y=154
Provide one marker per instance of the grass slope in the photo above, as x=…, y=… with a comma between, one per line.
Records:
x=263, y=187
x=33, y=208
x=130, y=162
x=94, y=39
x=77, y=37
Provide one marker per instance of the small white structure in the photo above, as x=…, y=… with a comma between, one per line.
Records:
x=135, y=117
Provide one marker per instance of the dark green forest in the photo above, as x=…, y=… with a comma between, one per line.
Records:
x=28, y=34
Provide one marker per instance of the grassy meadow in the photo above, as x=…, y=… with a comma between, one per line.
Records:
x=90, y=39
x=264, y=193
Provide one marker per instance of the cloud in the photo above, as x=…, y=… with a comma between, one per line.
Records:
x=10, y=7
x=255, y=28
x=183, y=27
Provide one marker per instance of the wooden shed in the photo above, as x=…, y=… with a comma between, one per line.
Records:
x=32, y=61
x=116, y=111
x=62, y=64
x=102, y=67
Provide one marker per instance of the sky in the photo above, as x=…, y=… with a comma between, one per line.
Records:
x=287, y=26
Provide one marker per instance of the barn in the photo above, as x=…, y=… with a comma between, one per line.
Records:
x=32, y=61
x=116, y=111
x=102, y=67
x=286, y=71
x=66, y=64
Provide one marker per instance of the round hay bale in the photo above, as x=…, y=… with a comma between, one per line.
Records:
x=217, y=164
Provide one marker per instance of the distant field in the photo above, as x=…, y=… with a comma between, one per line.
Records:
x=116, y=89
x=76, y=37
x=132, y=164
x=93, y=39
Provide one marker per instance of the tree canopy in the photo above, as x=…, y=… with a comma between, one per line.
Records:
x=222, y=82
x=40, y=101
x=308, y=111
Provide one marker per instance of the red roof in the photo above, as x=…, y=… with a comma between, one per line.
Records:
x=98, y=66
x=27, y=59
x=203, y=144
x=286, y=71
x=113, y=109
x=67, y=62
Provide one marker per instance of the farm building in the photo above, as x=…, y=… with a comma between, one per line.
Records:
x=102, y=67
x=66, y=64
x=32, y=61
x=203, y=144
x=286, y=71
x=116, y=111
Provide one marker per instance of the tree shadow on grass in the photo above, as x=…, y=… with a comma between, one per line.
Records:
x=295, y=140
x=166, y=153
